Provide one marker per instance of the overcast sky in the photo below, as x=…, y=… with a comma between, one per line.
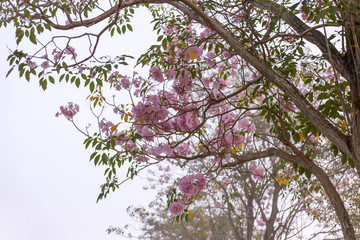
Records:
x=48, y=187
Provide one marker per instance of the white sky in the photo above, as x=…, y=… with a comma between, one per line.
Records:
x=48, y=187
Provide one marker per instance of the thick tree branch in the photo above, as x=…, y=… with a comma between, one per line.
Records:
x=315, y=117
x=103, y=16
x=315, y=37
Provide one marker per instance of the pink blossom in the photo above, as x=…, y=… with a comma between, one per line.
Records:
x=183, y=149
x=32, y=64
x=258, y=173
x=105, y=126
x=261, y=222
x=45, y=65
x=125, y=82
x=289, y=39
x=192, y=184
x=57, y=55
x=244, y=123
x=71, y=51
x=167, y=150
x=167, y=30
x=252, y=166
x=206, y=82
x=157, y=74
x=190, y=228
x=68, y=111
x=176, y=208
x=141, y=158
x=201, y=182
x=226, y=54
x=312, y=138
x=216, y=85
x=303, y=16
x=186, y=185
x=227, y=180
x=191, y=120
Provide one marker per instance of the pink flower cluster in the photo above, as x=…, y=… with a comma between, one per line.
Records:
x=258, y=172
x=157, y=74
x=176, y=208
x=192, y=184
x=68, y=111
x=151, y=110
x=119, y=81
x=261, y=222
x=105, y=126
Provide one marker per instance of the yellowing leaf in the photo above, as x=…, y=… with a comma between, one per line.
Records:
x=301, y=136
x=286, y=182
x=191, y=213
x=114, y=128
x=342, y=124
x=280, y=181
x=192, y=54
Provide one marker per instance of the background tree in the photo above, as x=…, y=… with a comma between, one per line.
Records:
x=218, y=67
x=248, y=203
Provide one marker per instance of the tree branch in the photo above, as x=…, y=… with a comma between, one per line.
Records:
x=315, y=117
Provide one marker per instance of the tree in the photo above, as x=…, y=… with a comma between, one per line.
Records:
x=244, y=203
x=219, y=68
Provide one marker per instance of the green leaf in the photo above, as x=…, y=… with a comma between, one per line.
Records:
x=93, y=155
x=51, y=79
x=77, y=82
x=160, y=38
x=44, y=85
x=301, y=170
x=92, y=86
x=27, y=75
x=97, y=160
x=33, y=38
x=343, y=159
x=164, y=43
x=351, y=163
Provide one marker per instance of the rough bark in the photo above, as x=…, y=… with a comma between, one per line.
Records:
x=315, y=117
